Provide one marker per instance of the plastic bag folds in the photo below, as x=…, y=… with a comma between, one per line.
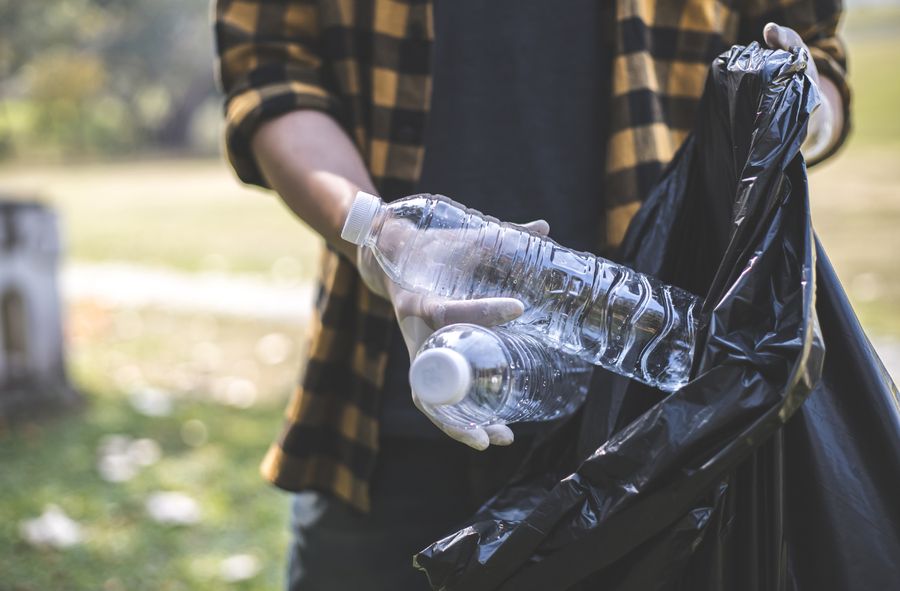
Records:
x=776, y=467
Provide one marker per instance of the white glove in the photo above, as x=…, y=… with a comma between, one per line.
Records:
x=420, y=315
x=827, y=121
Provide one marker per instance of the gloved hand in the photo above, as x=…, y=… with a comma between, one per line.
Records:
x=420, y=315
x=826, y=121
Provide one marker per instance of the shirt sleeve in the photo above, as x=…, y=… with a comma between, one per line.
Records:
x=816, y=21
x=268, y=64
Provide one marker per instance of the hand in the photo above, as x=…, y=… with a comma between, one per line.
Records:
x=420, y=315
x=827, y=121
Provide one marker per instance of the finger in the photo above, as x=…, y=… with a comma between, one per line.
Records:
x=538, y=227
x=371, y=272
x=483, y=312
x=778, y=37
x=770, y=36
x=420, y=315
x=474, y=437
x=499, y=434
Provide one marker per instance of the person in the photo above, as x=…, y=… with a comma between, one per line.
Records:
x=523, y=109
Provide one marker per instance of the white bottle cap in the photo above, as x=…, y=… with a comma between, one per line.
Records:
x=360, y=218
x=440, y=376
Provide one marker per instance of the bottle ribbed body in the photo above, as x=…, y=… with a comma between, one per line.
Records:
x=585, y=305
x=514, y=376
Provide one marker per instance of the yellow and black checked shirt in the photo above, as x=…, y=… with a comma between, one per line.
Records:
x=366, y=62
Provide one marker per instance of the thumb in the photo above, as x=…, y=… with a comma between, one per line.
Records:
x=439, y=312
x=414, y=331
x=778, y=37
x=537, y=226
x=499, y=434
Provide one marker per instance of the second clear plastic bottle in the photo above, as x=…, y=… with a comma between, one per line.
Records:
x=478, y=376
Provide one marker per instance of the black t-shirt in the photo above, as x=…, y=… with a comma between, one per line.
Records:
x=517, y=130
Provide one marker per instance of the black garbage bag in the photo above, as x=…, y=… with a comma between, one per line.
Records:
x=775, y=468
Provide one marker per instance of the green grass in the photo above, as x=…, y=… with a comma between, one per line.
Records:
x=856, y=213
x=856, y=195
x=191, y=214
x=53, y=461
x=873, y=40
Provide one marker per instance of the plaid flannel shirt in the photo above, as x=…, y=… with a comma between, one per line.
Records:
x=367, y=63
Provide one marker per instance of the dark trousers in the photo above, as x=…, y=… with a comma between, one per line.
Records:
x=421, y=491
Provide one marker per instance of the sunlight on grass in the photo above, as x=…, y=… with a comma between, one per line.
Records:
x=192, y=215
x=874, y=70
x=123, y=548
x=239, y=514
x=856, y=195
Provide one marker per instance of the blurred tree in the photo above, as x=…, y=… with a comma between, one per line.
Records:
x=103, y=74
x=64, y=88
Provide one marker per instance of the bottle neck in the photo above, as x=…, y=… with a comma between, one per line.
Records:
x=370, y=235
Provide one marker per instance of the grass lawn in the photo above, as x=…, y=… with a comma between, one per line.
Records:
x=856, y=213
x=53, y=462
x=190, y=214
x=211, y=445
x=228, y=378
x=856, y=195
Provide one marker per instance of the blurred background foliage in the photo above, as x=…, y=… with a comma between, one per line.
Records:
x=187, y=294
x=103, y=77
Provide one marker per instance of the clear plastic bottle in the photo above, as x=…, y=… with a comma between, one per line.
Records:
x=480, y=376
x=603, y=312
